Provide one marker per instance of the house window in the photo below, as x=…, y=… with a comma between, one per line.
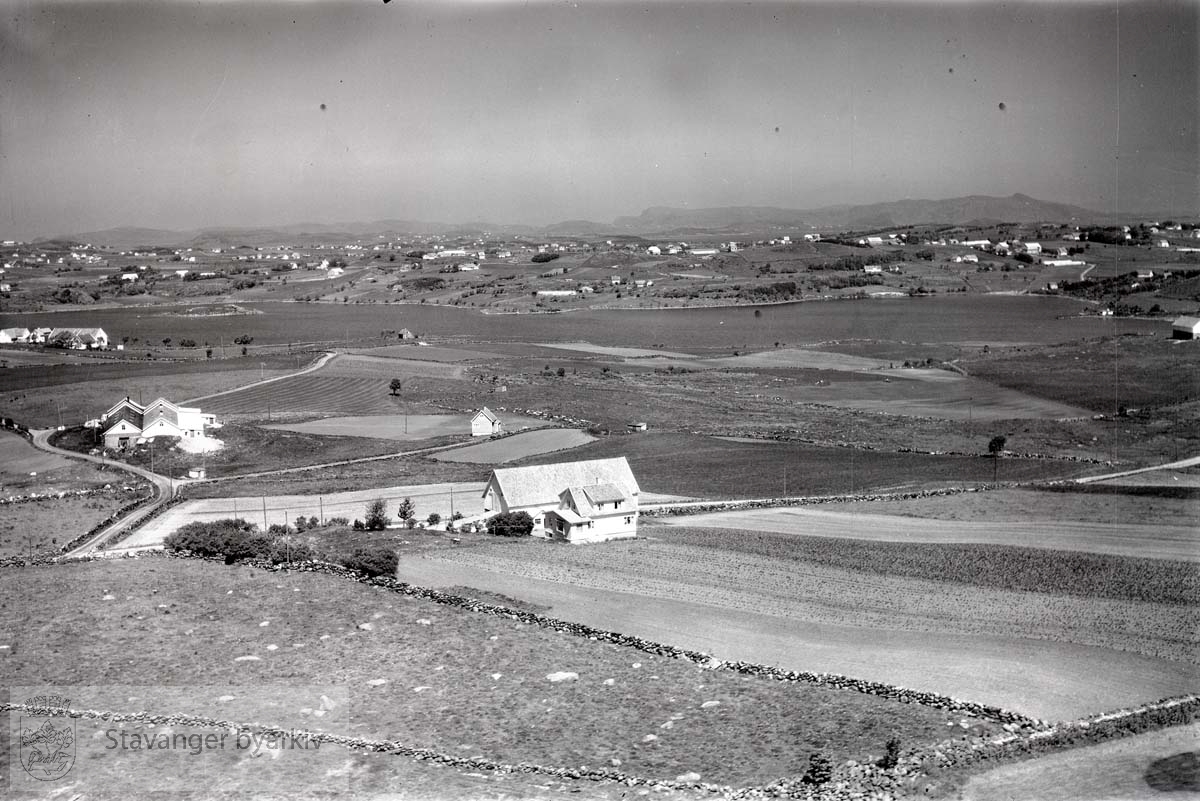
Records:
x=628, y=519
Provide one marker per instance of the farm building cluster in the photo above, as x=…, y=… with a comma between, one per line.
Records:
x=578, y=502
x=69, y=338
x=129, y=422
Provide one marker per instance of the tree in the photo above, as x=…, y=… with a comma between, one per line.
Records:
x=376, y=517
x=406, y=510
x=433, y=519
x=510, y=524
x=996, y=448
x=396, y=385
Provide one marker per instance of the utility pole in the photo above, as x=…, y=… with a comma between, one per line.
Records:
x=264, y=503
x=321, y=505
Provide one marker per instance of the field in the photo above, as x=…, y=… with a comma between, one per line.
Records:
x=455, y=681
x=403, y=427
x=1146, y=766
x=19, y=460
x=899, y=631
x=719, y=468
x=1076, y=503
x=45, y=524
x=445, y=499
x=44, y=396
x=1180, y=542
x=519, y=446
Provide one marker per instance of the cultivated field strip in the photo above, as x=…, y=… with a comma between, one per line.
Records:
x=1122, y=539
x=310, y=394
x=751, y=583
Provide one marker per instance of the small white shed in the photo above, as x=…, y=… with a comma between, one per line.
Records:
x=485, y=423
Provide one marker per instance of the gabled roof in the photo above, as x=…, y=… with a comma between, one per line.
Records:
x=487, y=414
x=543, y=484
x=1186, y=322
x=604, y=493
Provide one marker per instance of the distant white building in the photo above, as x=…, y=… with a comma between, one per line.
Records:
x=1186, y=328
x=579, y=502
x=485, y=423
x=8, y=335
x=555, y=293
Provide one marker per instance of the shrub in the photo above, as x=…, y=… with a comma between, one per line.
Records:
x=374, y=560
x=339, y=521
x=233, y=539
x=510, y=524
x=892, y=756
x=433, y=519
x=284, y=551
x=820, y=770
x=542, y=258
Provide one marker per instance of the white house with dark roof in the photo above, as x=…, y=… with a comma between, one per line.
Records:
x=77, y=338
x=578, y=502
x=128, y=421
x=485, y=423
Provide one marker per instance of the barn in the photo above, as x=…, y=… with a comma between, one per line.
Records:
x=1186, y=328
x=577, y=502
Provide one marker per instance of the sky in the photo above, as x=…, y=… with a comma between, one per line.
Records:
x=184, y=114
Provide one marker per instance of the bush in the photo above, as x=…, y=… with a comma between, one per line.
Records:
x=542, y=258
x=892, y=756
x=285, y=551
x=339, y=521
x=510, y=524
x=433, y=519
x=820, y=770
x=234, y=539
x=374, y=560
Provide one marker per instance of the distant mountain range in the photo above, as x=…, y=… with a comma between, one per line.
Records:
x=657, y=220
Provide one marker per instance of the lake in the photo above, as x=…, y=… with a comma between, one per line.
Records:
x=965, y=318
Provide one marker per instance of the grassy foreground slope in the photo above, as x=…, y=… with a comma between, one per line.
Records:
x=434, y=676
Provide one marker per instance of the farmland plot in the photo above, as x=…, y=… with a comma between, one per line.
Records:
x=1129, y=539
x=927, y=635
x=433, y=676
x=518, y=446
x=403, y=427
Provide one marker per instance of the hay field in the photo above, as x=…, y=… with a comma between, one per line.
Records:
x=18, y=458
x=465, y=497
x=518, y=446
x=434, y=676
x=1127, y=539
x=1046, y=679
x=1151, y=765
x=404, y=427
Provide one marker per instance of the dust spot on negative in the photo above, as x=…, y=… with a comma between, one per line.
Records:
x=322, y=107
x=776, y=129
x=1002, y=107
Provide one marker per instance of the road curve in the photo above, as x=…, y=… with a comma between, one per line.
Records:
x=164, y=489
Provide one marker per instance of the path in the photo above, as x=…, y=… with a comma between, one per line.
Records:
x=1179, y=465
x=317, y=365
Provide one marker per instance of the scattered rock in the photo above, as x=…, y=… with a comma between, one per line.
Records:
x=420, y=689
x=423, y=621
x=649, y=738
x=610, y=682
x=710, y=704
x=377, y=682
x=225, y=698
x=367, y=626
x=272, y=647
x=688, y=777
x=496, y=676
x=109, y=598
x=562, y=675
x=248, y=659
x=264, y=623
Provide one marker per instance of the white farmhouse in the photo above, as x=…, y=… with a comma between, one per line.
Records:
x=578, y=502
x=128, y=421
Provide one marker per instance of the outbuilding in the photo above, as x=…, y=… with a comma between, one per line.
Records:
x=1186, y=328
x=485, y=423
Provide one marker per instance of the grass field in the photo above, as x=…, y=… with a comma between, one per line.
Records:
x=455, y=681
x=845, y=596
x=518, y=446
x=708, y=467
x=1052, y=532
x=1039, y=677
x=403, y=427
x=76, y=394
x=19, y=459
x=1159, y=764
x=1031, y=506
x=46, y=524
x=445, y=499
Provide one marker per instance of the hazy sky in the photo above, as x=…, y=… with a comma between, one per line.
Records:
x=178, y=114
